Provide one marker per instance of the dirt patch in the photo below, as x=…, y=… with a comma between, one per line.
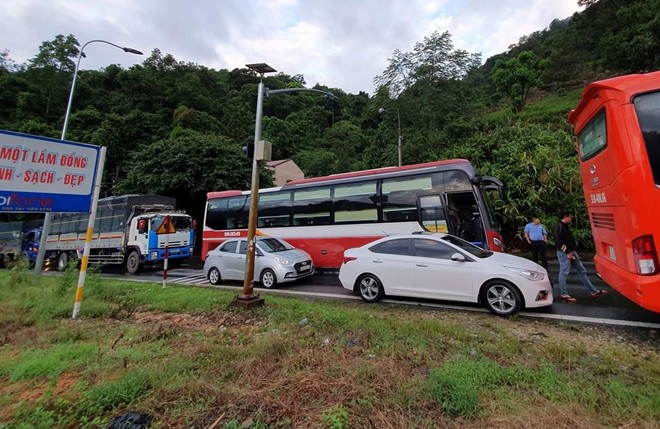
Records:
x=31, y=391
x=15, y=334
x=205, y=322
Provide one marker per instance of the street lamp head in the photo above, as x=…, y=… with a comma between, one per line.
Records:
x=132, y=51
x=261, y=68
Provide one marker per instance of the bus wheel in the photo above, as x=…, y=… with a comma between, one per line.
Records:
x=268, y=278
x=133, y=262
x=62, y=261
x=214, y=276
x=501, y=298
x=370, y=288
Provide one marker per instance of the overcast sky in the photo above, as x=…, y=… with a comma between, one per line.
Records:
x=340, y=43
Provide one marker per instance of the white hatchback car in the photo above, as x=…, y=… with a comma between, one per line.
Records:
x=276, y=261
x=444, y=267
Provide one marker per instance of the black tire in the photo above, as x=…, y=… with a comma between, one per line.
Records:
x=268, y=278
x=501, y=298
x=132, y=264
x=62, y=261
x=370, y=288
x=214, y=276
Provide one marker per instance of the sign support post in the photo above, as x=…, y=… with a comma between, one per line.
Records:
x=88, y=236
x=167, y=245
x=166, y=228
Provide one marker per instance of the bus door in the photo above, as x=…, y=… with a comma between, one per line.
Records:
x=432, y=213
x=465, y=217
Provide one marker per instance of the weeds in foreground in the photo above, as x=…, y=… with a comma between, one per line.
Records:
x=181, y=355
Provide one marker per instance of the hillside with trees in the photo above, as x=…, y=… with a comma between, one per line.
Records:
x=177, y=129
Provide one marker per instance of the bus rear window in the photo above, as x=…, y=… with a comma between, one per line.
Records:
x=647, y=107
x=593, y=137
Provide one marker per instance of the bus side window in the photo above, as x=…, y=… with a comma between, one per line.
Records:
x=356, y=203
x=399, y=200
x=311, y=207
x=216, y=214
x=237, y=212
x=274, y=209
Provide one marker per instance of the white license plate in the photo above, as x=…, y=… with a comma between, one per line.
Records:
x=305, y=267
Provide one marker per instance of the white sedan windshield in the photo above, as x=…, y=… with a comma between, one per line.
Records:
x=468, y=247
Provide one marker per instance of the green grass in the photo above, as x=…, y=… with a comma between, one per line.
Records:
x=47, y=362
x=186, y=357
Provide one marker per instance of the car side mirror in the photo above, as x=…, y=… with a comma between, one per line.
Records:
x=458, y=257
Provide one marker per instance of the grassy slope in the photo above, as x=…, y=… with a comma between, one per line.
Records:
x=182, y=355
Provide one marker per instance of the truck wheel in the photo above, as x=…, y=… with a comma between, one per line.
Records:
x=62, y=261
x=133, y=265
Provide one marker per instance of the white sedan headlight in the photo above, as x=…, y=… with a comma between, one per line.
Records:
x=281, y=260
x=528, y=274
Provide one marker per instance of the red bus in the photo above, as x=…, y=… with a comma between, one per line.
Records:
x=617, y=125
x=326, y=215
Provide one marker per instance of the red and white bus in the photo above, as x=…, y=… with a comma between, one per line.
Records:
x=617, y=124
x=326, y=215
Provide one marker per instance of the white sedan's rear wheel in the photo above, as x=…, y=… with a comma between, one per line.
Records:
x=370, y=288
x=214, y=276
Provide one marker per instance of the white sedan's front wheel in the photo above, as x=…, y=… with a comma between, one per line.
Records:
x=268, y=278
x=501, y=298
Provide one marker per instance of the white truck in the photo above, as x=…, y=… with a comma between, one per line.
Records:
x=125, y=232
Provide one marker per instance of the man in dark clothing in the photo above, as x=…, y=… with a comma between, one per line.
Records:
x=567, y=257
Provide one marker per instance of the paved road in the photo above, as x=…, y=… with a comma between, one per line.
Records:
x=608, y=309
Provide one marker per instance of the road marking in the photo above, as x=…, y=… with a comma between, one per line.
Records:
x=200, y=280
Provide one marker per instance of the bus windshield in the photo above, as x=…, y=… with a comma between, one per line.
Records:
x=647, y=107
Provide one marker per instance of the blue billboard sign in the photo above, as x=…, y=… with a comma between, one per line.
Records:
x=40, y=174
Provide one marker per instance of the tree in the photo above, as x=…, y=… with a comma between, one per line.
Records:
x=51, y=70
x=7, y=65
x=432, y=60
x=187, y=166
x=58, y=54
x=514, y=77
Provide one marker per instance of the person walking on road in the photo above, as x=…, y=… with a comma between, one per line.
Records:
x=537, y=238
x=568, y=257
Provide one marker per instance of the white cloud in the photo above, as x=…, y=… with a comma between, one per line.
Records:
x=342, y=44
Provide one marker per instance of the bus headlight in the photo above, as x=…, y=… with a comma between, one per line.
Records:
x=528, y=274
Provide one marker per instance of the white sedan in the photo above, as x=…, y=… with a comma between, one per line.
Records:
x=276, y=261
x=444, y=267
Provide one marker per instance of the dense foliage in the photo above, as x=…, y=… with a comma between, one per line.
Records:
x=177, y=128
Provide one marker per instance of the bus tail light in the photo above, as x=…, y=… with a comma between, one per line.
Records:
x=348, y=259
x=646, y=259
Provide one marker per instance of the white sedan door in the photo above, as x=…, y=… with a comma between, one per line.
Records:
x=437, y=276
x=392, y=263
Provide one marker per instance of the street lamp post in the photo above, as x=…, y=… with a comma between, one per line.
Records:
x=247, y=297
x=398, y=119
x=39, y=263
